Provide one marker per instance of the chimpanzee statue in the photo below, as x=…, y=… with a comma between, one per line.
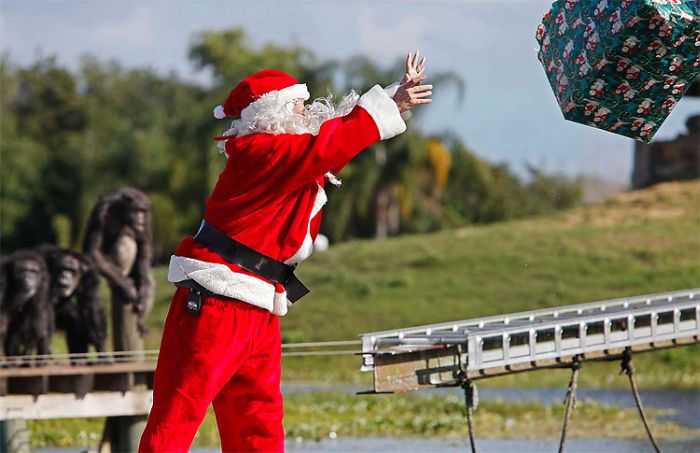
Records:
x=26, y=317
x=74, y=295
x=119, y=240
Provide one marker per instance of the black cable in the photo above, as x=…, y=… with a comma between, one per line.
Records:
x=628, y=368
x=570, y=400
x=471, y=398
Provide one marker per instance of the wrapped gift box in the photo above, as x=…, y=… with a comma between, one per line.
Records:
x=620, y=65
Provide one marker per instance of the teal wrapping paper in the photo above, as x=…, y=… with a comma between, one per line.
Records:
x=620, y=65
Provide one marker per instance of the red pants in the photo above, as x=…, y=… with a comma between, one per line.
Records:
x=229, y=355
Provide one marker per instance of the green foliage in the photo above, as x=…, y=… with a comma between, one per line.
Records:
x=70, y=136
x=314, y=416
x=67, y=138
x=62, y=230
x=590, y=253
x=230, y=56
x=479, y=192
x=166, y=224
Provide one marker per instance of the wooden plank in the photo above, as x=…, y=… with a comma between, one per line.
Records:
x=413, y=370
x=114, y=381
x=28, y=385
x=144, y=378
x=57, y=405
x=53, y=370
x=79, y=384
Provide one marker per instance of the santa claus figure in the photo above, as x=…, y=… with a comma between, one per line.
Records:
x=645, y=106
x=630, y=44
x=597, y=88
x=221, y=340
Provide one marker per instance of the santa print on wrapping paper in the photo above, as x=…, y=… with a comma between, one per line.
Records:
x=632, y=60
x=597, y=88
x=630, y=45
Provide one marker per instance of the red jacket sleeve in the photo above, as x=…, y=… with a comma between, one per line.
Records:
x=300, y=159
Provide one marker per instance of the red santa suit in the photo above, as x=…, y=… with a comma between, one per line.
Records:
x=269, y=197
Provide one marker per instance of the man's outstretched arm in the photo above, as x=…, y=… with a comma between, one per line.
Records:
x=377, y=116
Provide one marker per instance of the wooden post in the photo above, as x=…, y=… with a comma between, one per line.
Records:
x=122, y=433
x=14, y=436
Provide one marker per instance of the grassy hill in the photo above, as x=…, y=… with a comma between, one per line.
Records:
x=637, y=243
x=640, y=242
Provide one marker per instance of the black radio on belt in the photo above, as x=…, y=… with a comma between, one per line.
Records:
x=196, y=295
x=194, y=301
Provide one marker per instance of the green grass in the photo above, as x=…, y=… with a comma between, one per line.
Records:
x=315, y=416
x=643, y=242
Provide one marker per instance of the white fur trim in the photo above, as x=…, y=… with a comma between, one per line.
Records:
x=298, y=91
x=280, y=304
x=219, y=113
x=383, y=111
x=333, y=179
x=391, y=91
x=307, y=246
x=220, y=279
x=271, y=115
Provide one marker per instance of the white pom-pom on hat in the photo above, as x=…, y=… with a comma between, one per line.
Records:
x=219, y=113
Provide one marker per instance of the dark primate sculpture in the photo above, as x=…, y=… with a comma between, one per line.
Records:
x=75, y=299
x=26, y=317
x=119, y=240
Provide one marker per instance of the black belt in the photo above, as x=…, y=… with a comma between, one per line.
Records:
x=251, y=260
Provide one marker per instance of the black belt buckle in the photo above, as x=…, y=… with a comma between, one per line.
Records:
x=194, y=302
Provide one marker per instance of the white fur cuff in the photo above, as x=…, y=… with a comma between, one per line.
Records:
x=383, y=111
x=391, y=91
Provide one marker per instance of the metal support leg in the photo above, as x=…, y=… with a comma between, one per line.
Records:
x=570, y=401
x=628, y=368
x=471, y=397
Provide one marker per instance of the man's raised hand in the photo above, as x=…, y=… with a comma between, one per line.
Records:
x=411, y=92
x=414, y=69
x=407, y=98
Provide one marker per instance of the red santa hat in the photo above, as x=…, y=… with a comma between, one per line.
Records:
x=250, y=89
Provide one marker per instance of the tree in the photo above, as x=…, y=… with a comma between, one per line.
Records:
x=42, y=116
x=389, y=192
x=68, y=137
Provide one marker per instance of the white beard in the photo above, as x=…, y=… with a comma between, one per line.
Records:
x=270, y=115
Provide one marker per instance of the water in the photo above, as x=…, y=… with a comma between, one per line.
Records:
x=684, y=403
x=382, y=444
x=389, y=445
